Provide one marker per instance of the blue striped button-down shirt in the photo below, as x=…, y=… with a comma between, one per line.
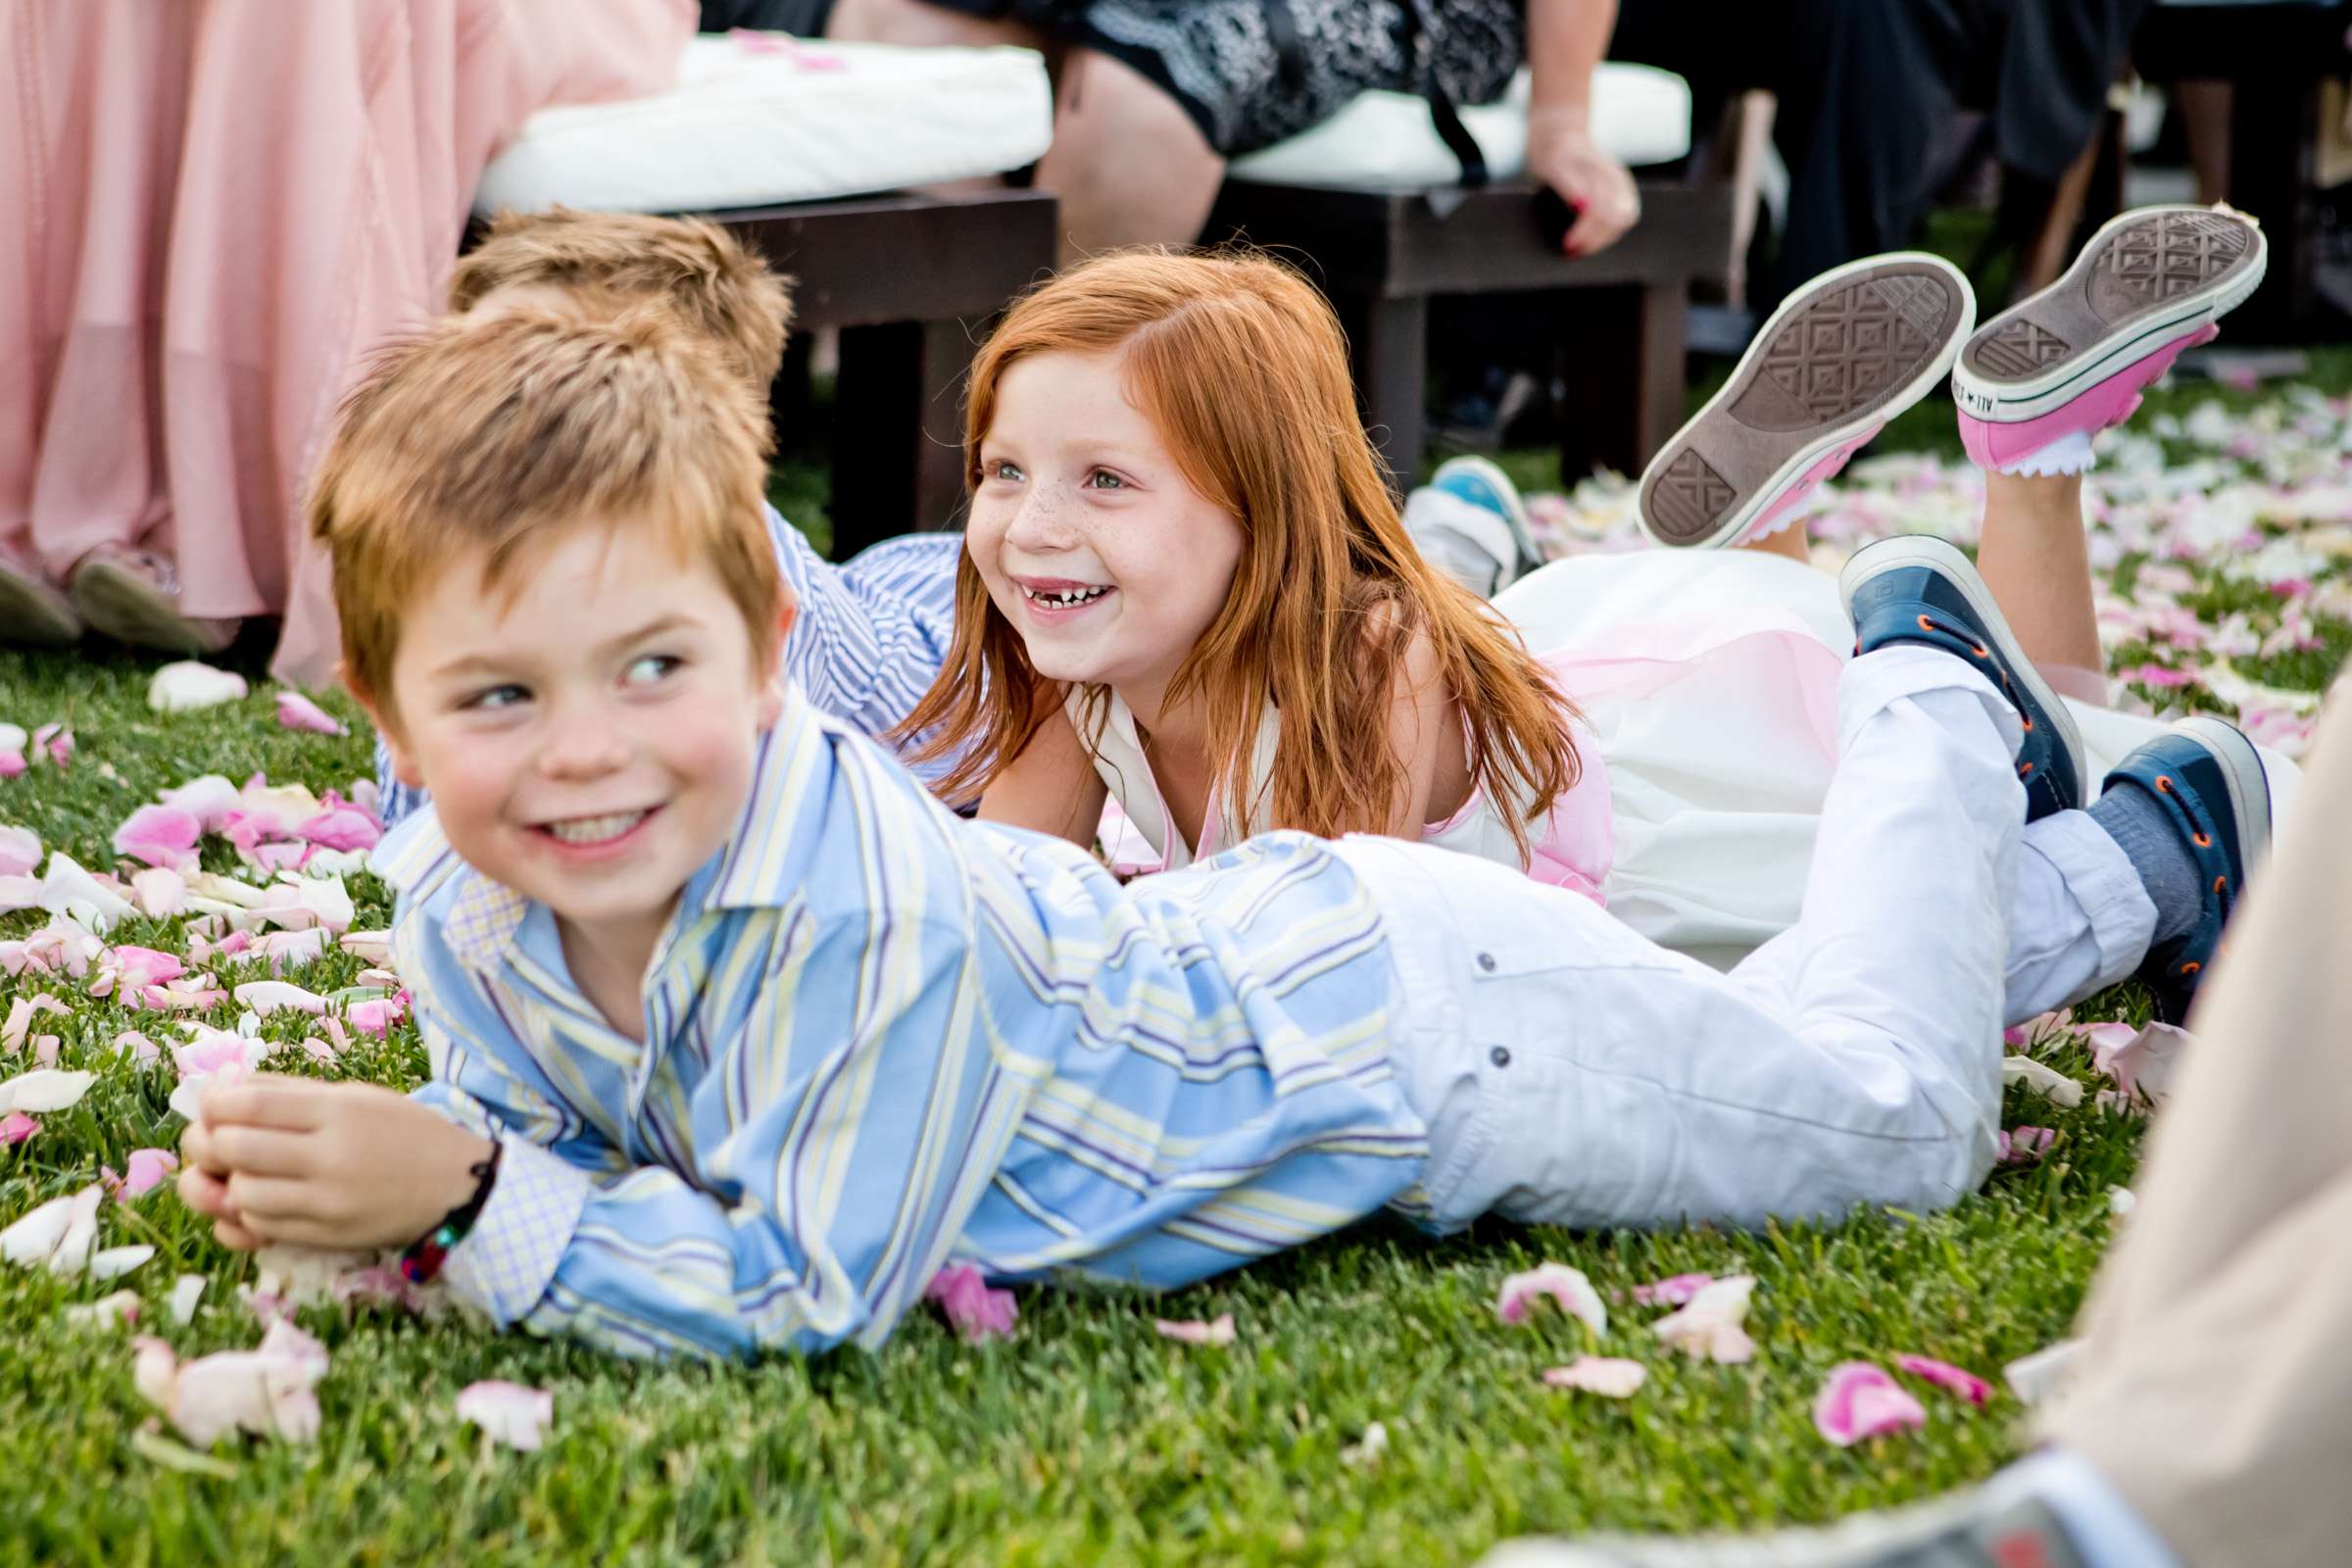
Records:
x=877, y=1039
x=869, y=640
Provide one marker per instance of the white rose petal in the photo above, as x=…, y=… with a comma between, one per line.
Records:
x=186, y=685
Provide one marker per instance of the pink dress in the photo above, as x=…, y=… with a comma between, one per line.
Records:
x=215, y=209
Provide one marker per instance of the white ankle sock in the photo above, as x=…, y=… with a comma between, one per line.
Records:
x=2069, y=454
x=2105, y=1529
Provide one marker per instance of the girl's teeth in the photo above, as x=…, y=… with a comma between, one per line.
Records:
x=595, y=829
x=1065, y=596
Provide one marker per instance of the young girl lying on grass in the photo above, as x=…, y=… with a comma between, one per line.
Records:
x=1185, y=590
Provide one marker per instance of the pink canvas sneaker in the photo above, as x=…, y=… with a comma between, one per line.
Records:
x=2077, y=356
x=1840, y=356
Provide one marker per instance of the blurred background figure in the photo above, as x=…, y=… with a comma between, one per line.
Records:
x=216, y=208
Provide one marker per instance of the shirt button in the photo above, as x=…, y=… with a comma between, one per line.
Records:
x=1500, y=1055
x=1486, y=961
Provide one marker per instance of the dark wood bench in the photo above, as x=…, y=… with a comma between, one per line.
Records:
x=1383, y=254
x=912, y=282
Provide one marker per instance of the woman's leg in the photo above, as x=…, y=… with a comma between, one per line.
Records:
x=1129, y=165
x=917, y=24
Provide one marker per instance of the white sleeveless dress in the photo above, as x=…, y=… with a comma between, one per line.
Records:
x=1570, y=848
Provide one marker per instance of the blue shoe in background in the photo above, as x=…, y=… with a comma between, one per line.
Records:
x=1470, y=523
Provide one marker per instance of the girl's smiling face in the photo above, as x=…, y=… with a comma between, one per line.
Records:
x=1093, y=543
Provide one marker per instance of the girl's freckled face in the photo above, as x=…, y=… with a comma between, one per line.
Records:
x=1091, y=542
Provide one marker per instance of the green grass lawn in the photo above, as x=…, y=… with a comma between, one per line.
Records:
x=1085, y=1438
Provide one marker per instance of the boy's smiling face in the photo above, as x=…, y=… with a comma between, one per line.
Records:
x=588, y=728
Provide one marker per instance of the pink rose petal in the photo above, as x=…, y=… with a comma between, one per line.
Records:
x=297, y=712
x=210, y=797
x=507, y=1412
x=1193, y=1331
x=2024, y=1145
x=20, y=852
x=148, y=1168
x=22, y=1012
x=375, y=1017
x=265, y=997
x=138, y=969
x=1861, y=1401
x=1608, y=1376
x=1564, y=1285
x=1675, y=1290
x=2142, y=1064
x=1711, y=1326
x=160, y=892
x=160, y=835
x=970, y=1308
x=285, y=948
x=1966, y=1384
x=345, y=827
x=2035, y=1377
x=15, y=1127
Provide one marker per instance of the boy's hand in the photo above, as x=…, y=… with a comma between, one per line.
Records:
x=334, y=1166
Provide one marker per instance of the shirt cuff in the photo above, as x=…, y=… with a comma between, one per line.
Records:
x=503, y=1265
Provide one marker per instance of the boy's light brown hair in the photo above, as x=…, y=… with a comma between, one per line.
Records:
x=712, y=278
x=482, y=442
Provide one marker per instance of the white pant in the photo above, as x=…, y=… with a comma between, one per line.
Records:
x=1572, y=1073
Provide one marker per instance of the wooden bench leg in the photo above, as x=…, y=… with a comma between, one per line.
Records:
x=1621, y=360
x=897, y=452
x=1388, y=341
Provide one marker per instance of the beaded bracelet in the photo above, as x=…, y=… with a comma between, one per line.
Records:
x=422, y=1257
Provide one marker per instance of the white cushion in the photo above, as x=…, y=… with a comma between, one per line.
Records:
x=1386, y=141
x=761, y=117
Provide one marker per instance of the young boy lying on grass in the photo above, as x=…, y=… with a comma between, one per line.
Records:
x=737, y=1034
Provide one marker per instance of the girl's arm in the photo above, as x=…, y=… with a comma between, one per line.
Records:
x=1420, y=710
x=1052, y=787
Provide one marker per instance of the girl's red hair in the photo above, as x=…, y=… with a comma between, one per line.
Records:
x=1240, y=366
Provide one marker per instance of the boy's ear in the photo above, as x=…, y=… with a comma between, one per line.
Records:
x=387, y=727
x=773, y=684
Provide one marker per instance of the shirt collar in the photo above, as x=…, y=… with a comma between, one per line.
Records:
x=783, y=815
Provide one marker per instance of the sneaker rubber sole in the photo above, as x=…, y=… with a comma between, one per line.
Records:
x=1837, y=359
x=2148, y=279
